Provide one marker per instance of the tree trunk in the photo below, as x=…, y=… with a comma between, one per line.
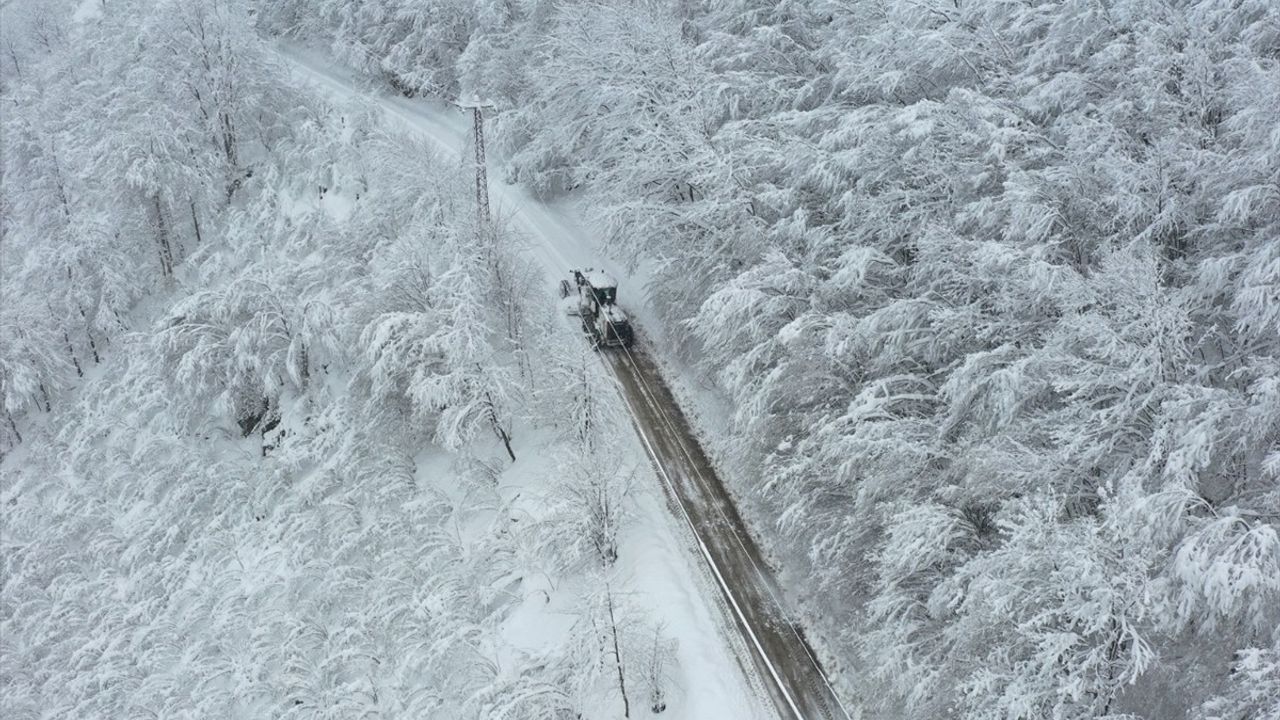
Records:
x=657, y=674
x=228, y=140
x=497, y=426
x=228, y=145
x=506, y=442
x=306, y=367
x=58, y=184
x=13, y=56
x=195, y=220
x=617, y=655
x=72, y=352
x=162, y=237
x=14, y=427
x=88, y=333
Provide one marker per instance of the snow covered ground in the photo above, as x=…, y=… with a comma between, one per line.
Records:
x=656, y=564
x=287, y=433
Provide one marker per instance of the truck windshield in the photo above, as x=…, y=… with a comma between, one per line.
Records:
x=606, y=295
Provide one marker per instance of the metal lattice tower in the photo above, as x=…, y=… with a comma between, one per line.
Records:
x=482, y=177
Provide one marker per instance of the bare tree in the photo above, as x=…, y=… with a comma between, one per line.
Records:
x=589, y=508
x=661, y=654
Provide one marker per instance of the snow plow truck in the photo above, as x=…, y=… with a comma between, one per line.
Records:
x=597, y=294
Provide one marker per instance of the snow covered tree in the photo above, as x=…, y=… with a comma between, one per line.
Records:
x=658, y=669
x=991, y=287
x=944, y=259
x=1254, y=690
x=590, y=504
x=442, y=359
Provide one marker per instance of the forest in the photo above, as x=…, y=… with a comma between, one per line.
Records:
x=265, y=382
x=992, y=290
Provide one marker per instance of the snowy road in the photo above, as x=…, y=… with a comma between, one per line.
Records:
x=782, y=660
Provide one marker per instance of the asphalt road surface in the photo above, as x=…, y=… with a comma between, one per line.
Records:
x=785, y=662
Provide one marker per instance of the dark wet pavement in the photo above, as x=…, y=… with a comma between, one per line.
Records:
x=784, y=661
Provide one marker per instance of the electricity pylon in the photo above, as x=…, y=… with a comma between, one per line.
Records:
x=482, y=176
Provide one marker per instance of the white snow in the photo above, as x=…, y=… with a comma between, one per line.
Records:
x=658, y=571
x=599, y=278
x=87, y=10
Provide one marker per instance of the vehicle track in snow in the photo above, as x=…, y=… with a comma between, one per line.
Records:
x=783, y=660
